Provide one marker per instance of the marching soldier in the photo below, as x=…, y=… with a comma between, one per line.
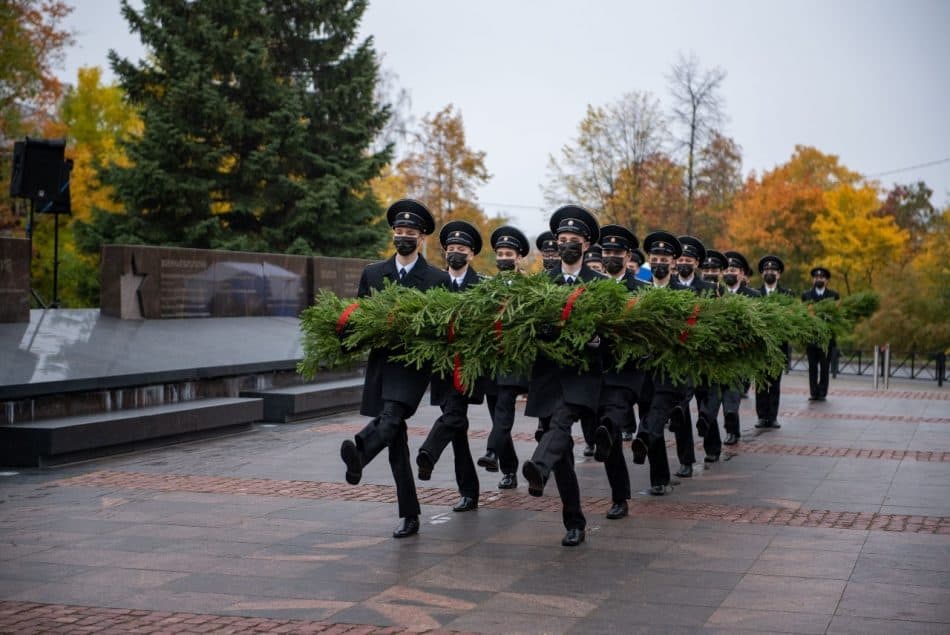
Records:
x=594, y=258
x=620, y=387
x=558, y=395
x=392, y=390
x=818, y=359
x=510, y=247
x=737, y=270
x=636, y=261
x=663, y=249
x=709, y=398
x=461, y=242
x=767, y=397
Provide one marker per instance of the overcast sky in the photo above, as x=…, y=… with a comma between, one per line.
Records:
x=865, y=80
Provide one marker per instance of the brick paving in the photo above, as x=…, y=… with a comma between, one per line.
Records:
x=839, y=522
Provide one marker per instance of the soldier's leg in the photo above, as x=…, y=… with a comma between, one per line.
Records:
x=569, y=490
x=616, y=408
x=401, y=465
x=814, y=353
x=465, y=475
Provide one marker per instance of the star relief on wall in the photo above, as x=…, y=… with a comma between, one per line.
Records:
x=130, y=295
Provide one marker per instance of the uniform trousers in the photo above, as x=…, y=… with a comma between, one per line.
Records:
x=666, y=395
x=501, y=407
x=729, y=400
x=452, y=427
x=555, y=453
x=818, y=363
x=388, y=430
x=683, y=432
x=616, y=410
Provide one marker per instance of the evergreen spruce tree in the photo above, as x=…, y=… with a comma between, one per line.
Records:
x=258, y=119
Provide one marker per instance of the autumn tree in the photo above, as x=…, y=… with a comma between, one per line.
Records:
x=661, y=203
x=32, y=40
x=258, y=120
x=718, y=182
x=442, y=171
x=697, y=114
x=912, y=210
x=607, y=167
x=775, y=213
x=859, y=244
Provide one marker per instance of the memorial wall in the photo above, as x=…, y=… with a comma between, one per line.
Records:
x=14, y=279
x=141, y=282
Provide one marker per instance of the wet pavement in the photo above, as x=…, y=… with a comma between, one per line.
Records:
x=838, y=522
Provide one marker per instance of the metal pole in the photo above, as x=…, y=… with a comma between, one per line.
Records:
x=941, y=367
x=55, y=303
x=887, y=365
x=877, y=376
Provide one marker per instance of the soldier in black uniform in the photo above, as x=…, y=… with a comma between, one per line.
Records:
x=461, y=242
x=594, y=258
x=818, y=359
x=643, y=398
x=664, y=249
x=767, y=397
x=636, y=261
x=510, y=247
x=709, y=398
x=392, y=390
x=559, y=395
x=621, y=387
x=737, y=268
x=547, y=245
x=681, y=423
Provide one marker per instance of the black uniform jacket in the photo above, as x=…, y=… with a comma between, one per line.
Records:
x=387, y=380
x=780, y=290
x=443, y=387
x=698, y=285
x=812, y=296
x=549, y=381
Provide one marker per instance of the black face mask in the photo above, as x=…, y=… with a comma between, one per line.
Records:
x=711, y=277
x=684, y=270
x=456, y=260
x=819, y=284
x=770, y=278
x=405, y=245
x=613, y=264
x=731, y=279
x=660, y=271
x=550, y=264
x=570, y=252
x=505, y=264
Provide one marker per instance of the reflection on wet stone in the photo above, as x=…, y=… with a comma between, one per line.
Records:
x=14, y=279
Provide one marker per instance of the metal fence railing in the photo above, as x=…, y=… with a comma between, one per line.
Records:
x=927, y=366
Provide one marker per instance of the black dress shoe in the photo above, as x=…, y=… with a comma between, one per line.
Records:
x=658, y=490
x=763, y=423
x=731, y=439
x=532, y=473
x=774, y=424
x=489, y=461
x=425, y=463
x=407, y=527
x=821, y=398
x=465, y=504
x=354, y=466
x=711, y=458
x=702, y=426
x=814, y=398
x=617, y=510
x=588, y=449
x=603, y=443
x=626, y=436
x=573, y=537
x=538, y=434
x=685, y=471
x=639, y=451
x=508, y=481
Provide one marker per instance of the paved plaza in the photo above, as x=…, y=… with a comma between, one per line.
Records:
x=839, y=522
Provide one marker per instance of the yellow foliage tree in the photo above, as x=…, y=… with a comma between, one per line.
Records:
x=858, y=244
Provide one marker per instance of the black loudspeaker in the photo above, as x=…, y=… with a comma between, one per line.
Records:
x=58, y=201
x=37, y=168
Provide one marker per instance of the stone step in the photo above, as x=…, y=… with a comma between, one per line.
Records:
x=308, y=400
x=65, y=439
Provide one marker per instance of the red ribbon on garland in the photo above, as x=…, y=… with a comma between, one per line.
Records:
x=569, y=305
x=456, y=361
x=631, y=303
x=690, y=323
x=498, y=326
x=345, y=317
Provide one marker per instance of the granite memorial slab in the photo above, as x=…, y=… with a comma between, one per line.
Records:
x=14, y=279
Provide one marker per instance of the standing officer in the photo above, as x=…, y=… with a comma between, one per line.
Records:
x=392, y=390
x=818, y=359
x=560, y=395
x=664, y=249
x=737, y=269
x=710, y=397
x=461, y=242
x=510, y=247
x=621, y=387
x=547, y=245
x=767, y=397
